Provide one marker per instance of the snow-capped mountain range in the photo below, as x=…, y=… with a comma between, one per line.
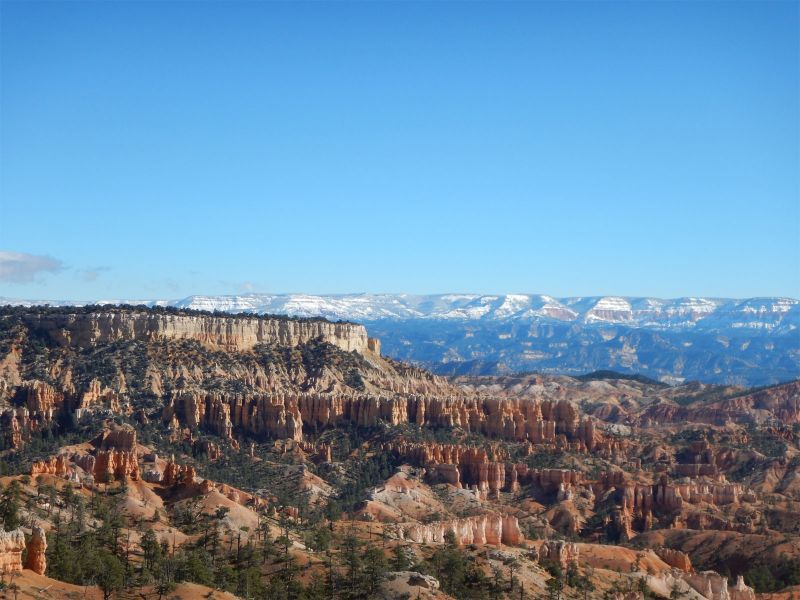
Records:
x=765, y=313
x=641, y=312
x=750, y=341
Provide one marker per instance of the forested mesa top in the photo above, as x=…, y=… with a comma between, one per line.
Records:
x=86, y=326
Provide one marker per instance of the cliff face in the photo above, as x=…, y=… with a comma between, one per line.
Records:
x=240, y=333
x=37, y=546
x=12, y=543
x=488, y=473
x=479, y=530
x=283, y=414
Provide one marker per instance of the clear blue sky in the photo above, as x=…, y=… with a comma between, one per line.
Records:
x=154, y=149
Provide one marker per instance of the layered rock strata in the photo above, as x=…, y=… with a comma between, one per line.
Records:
x=12, y=543
x=86, y=329
x=284, y=414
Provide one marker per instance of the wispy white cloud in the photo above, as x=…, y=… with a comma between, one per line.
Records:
x=20, y=267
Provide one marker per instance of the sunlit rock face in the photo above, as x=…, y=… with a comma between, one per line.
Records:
x=479, y=530
x=37, y=546
x=12, y=543
x=240, y=333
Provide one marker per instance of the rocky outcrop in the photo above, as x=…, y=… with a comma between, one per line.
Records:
x=55, y=465
x=283, y=415
x=12, y=543
x=713, y=586
x=36, y=560
x=118, y=438
x=15, y=427
x=115, y=465
x=36, y=405
x=175, y=474
x=781, y=402
x=41, y=398
x=98, y=397
x=640, y=504
x=675, y=558
x=480, y=530
x=559, y=552
x=481, y=469
x=89, y=328
x=622, y=524
x=206, y=448
x=113, y=459
x=742, y=591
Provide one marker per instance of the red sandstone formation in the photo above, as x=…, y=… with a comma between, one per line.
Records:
x=623, y=524
x=41, y=398
x=36, y=560
x=211, y=450
x=558, y=552
x=464, y=466
x=40, y=402
x=55, y=465
x=118, y=438
x=115, y=465
x=105, y=465
x=175, y=473
x=479, y=530
x=319, y=452
x=96, y=396
x=12, y=543
x=675, y=558
x=640, y=503
x=283, y=415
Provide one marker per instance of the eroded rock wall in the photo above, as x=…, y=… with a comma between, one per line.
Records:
x=223, y=332
x=12, y=543
x=480, y=530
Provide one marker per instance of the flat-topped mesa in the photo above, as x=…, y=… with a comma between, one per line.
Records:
x=86, y=329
